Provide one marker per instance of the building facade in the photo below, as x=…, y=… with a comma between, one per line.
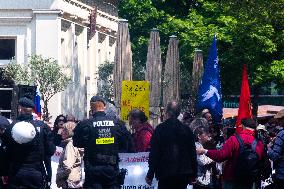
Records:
x=61, y=29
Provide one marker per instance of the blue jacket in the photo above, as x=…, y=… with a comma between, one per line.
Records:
x=276, y=154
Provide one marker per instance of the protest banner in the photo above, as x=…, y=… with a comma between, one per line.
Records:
x=135, y=94
x=137, y=167
x=135, y=163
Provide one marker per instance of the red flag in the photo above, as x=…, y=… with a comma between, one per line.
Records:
x=244, y=104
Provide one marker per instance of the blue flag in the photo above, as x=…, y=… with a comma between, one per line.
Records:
x=37, y=108
x=209, y=93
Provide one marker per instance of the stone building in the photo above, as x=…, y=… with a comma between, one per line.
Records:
x=60, y=29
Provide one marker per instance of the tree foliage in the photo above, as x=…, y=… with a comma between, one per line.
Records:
x=248, y=32
x=105, y=73
x=45, y=72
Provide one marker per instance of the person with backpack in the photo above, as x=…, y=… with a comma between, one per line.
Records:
x=243, y=154
x=28, y=142
x=142, y=130
x=276, y=152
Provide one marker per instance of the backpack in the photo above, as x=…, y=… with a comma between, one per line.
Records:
x=248, y=165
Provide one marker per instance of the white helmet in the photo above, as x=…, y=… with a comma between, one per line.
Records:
x=23, y=132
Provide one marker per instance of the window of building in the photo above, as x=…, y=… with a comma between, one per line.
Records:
x=7, y=50
x=6, y=91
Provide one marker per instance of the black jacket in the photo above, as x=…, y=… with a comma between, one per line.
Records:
x=172, y=151
x=101, y=139
x=26, y=160
x=3, y=160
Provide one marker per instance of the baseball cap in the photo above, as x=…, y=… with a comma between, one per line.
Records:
x=26, y=102
x=261, y=127
x=98, y=98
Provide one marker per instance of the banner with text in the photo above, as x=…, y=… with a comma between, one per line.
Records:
x=135, y=163
x=135, y=94
x=137, y=167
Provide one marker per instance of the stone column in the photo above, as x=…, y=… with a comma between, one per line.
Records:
x=48, y=44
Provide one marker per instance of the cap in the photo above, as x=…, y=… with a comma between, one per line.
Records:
x=4, y=122
x=280, y=114
x=23, y=132
x=26, y=102
x=205, y=111
x=261, y=127
x=98, y=98
x=249, y=123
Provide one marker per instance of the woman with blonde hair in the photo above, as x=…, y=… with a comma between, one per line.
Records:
x=69, y=172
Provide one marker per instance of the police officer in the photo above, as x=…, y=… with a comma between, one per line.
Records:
x=126, y=143
x=28, y=142
x=100, y=137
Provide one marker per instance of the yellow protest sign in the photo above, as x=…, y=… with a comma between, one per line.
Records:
x=135, y=94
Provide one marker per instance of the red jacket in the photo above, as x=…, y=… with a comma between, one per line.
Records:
x=142, y=137
x=230, y=152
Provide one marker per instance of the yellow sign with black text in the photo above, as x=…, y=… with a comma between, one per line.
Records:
x=135, y=94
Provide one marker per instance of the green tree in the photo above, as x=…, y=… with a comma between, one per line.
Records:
x=105, y=73
x=193, y=30
x=248, y=32
x=257, y=39
x=45, y=72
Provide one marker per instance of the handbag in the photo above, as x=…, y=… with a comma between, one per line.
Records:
x=78, y=184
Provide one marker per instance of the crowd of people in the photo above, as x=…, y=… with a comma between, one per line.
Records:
x=182, y=150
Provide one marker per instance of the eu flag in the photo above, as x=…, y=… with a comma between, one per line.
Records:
x=209, y=93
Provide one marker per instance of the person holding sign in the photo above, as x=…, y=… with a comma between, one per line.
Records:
x=142, y=130
x=172, y=156
x=100, y=137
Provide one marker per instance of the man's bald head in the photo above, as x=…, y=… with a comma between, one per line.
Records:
x=173, y=109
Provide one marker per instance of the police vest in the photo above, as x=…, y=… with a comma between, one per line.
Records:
x=102, y=148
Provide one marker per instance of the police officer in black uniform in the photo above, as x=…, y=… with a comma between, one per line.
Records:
x=100, y=137
x=28, y=142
